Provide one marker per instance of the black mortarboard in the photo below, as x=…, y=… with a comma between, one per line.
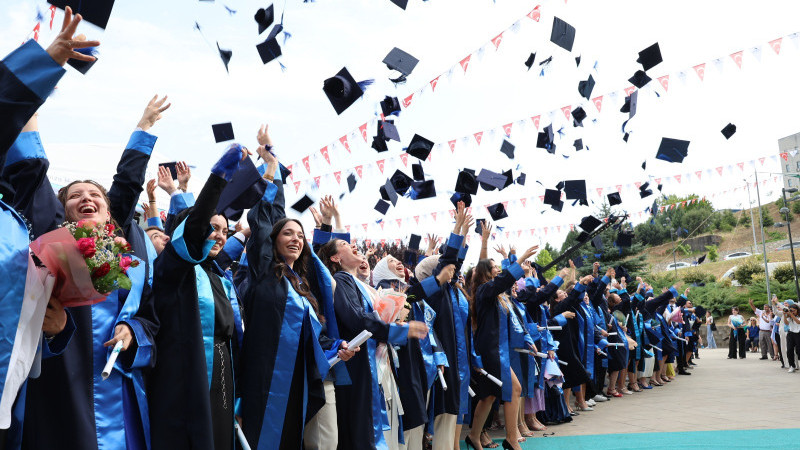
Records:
x=597, y=242
x=490, y=180
x=614, y=199
x=400, y=181
x=172, y=166
x=621, y=271
x=342, y=90
x=578, y=144
x=639, y=79
x=303, y=204
x=578, y=114
x=644, y=165
x=466, y=183
x=625, y=138
x=529, y=62
x=578, y=61
x=285, y=172
x=222, y=132
x=589, y=223
x=400, y=61
x=521, y=179
x=582, y=236
x=497, y=211
x=461, y=197
x=351, y=182
x=401, y=3
x=94, y=11
x=264, y=18
x=729, y=130
x=384, y=194
x=419, y=147
x=672, y=150
x=626, y=106
x=509, y=178
x=243, y=191
x=379, y=144
x=578, y=261
x=413, y=241
x=545, y=138
x=391, y=193
x=563, y=34
x=575, y=189
x=560, y=185
x=268, y=50
x=507, y=149
x=585, y=87
x=422, y=189
x=634, y=101
x=417, y=172
x=558, y=206
x=387, y=130
x=650, y=57
x=83, y=66
x=625, y=239
x=390, y=105
x=479, y=225
x=225, y=56
x=644, y=192
x=382, y=206
x=552, y=197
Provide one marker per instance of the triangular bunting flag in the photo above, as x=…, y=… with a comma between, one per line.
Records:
x=535, y=14
x=599, y=192
x=719, y=170
x=404, y=158
x=741, y=166
x=678, y=177
x=359, y=169
x=761, y=160
x=344, y=142
x=598, y=102
x=324, y=151
x=496, y=41
x=700, y=69
x=363, y=130
x=698, y=173
x=507, y=129
x=407, y=100
x=307, y=164
x=380, y=164
x=566, y=110
x=478, y=137
x=523, y=201
x=465, y=63
x=452, y=145
x=535, y=120
x=785, y=156
x=629, y=90
x=434, y=82
x=316, y=181
x=664, y=82
x=737, y=58
x=338, y=176
x=776, y=44
x=297, y=186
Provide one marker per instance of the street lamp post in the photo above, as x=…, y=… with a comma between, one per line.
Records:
x=763, y=240
x=674, y=258
x=785, y=211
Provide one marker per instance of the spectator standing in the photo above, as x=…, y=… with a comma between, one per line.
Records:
x=764, y=318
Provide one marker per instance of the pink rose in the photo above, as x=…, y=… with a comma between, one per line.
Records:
x=125, y=262
x=86, y=223
x=123, y=243
x=87, y=247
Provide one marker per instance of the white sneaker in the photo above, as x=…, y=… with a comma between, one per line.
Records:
x=792, y=370
x=591, y=402
x=600, y=398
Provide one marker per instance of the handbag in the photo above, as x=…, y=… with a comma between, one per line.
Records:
x=713, y=326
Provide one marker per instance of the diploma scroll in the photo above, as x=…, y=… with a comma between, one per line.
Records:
x=441, y=379
x=551, y=328
x=471, y=392
x=616, y=344
x=602, y=353
x=355, y=342
x=682, y=339
x=656, y=348
x=612, y=333
x=111, y=360
x=491, y=378
x=240, y=435
x=539, y=354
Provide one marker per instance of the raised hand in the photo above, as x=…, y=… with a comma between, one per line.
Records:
x=152, y=112
x=486, y=232
x=460, y=216
x=151, y=190
x=586, y=279
x=64, y=45
x=501, y=250
x=263, y=136
x=326, y=209
x=467, y=225
x=529, y=252
x=165, y=180
x=184, y=174
x=446, y=274
x=146, y=210
x=266, y=155
x=317, y=217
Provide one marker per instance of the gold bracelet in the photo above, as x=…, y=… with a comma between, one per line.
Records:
x=268, y=177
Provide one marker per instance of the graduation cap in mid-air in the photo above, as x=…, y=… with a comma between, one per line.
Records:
x=390, y=105
x=83, y=66
x=225, y=56
x=269, y=50
x=264, y=18
x=351, y=182
x=507, y=149
x=585, y=87
x=614, y=199
x=419, y=147
x=650, y=57
x=589, y=223
x=94, y=11
x=387, y=130
x=545, y=139
x=491, y=180
x=479, y=224
x=422, y=189
x=303, y=204
x=597, y=242
x=639, y=79
x=461, y=197
x=578, y=114
x=244, y=190
x=575, y=189
x=672, y=150
x=389, y=193
x=466, y=183
x=400, y=182
x=400, y=61
x=222, y=132
x=342, y=90
x=552, y=197
x=562, y=34
x=624, y=239
x=521, y=179
x=497, y=211
x=729, y=130
x=531, y=59
x=382, y=206
x=172, y=167
x=417, y=172
x=578, y=144
x=402, y=4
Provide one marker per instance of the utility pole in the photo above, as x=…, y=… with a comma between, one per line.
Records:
x=763, y=240
x=674, y=258
x=785, y=211
x=752, y=222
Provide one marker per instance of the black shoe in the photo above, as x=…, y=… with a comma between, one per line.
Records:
x=762, y=358
x=742, y=357
x=573, y=414
x=468, y=443
x=683, y=372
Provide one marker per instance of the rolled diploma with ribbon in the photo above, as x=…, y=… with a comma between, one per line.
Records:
x=441, y=379
x=681, y=339
x=602, y=353
x=552, y=328
x=616, y=344
x=471, y=392
x=651, y=345
x=242, y=439
x=491, y=378
x=111, y=360
x=614, y=333
x=539, y=354
x=355, y=342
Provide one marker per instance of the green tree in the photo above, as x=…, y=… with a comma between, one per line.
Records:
x=543, y=258
x=796, y=207
x=713, y=254
x=766, y=219
x=744, y=220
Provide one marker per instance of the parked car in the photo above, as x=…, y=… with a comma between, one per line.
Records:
x=787, y=246
x=737, y=255
x=679, y=265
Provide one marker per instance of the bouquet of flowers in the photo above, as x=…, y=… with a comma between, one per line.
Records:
x=389, y=303
x=87, y=260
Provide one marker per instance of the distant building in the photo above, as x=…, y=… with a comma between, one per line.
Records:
x=790, y=145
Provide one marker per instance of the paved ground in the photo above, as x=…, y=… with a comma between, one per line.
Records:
x=721, y=394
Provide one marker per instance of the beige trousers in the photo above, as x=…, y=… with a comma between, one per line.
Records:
x=321, y=432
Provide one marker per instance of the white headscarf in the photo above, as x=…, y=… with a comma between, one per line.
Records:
x=425, y=267
x=383, y=272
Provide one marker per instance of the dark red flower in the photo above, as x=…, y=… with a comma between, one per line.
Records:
x=101, y=270
x=109, y=228
x=87, y=247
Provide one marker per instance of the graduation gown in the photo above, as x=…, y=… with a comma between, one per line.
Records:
x=61, y=400
x=199, y=310
x=568, y=348
x=359, y=406
x=282, y=365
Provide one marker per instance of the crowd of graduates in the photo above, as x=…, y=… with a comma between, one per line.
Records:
x=237, y=339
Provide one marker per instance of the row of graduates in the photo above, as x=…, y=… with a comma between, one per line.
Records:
x=204, y=344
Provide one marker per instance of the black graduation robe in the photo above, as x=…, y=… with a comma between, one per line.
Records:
x=574, y=372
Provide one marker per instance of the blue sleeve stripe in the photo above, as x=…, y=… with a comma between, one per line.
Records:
x=516, y=270
x=398, y=334
x=321, y=237
x=233, y=247
x=155, y=222
x=180, y=245
x=605, y=279
x=28, y=145
x=561, y=320
x=580, y=287
x=455, y=240
x=34, y=67
x=504, y=264
x=440, y=359
x=144, y=346
x=141, y=141
x=430, y=286
x=557, y=280
x=462, y=254
x=179, y=202
x=270, y=192
x=530, y=281
x=343, y=236
x=674, y=291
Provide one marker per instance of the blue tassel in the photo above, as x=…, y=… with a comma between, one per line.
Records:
x=39, y=16
x=286, y=36
x=657, y=95
x=283, y=68
x=561, y=131
x=364, y=84
x=230, y=11
x=541, y=74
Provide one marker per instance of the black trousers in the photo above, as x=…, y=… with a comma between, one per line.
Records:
x=792, y=348
x=737, y=340
x=780, y=350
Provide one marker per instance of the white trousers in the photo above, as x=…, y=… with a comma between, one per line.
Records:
x=413, y=439
x=444, y=431
x=321, y=432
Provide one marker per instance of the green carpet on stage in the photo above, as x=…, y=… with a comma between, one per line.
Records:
x=788, y=438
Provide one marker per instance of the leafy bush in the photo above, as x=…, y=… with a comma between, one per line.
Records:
x=713, y=254
x=695, y=275
x=796, y=207
x=728, y=218
x=766, y=219
x=783, y=273
x=744, y=271
x=683, y=248
x=744, y=220
x=543, y=259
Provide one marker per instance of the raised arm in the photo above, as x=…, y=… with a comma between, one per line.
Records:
x=263, y=216
x=491, y=289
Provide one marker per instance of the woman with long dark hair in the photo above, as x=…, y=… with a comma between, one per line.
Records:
x=492, y=309
x=283, y=358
